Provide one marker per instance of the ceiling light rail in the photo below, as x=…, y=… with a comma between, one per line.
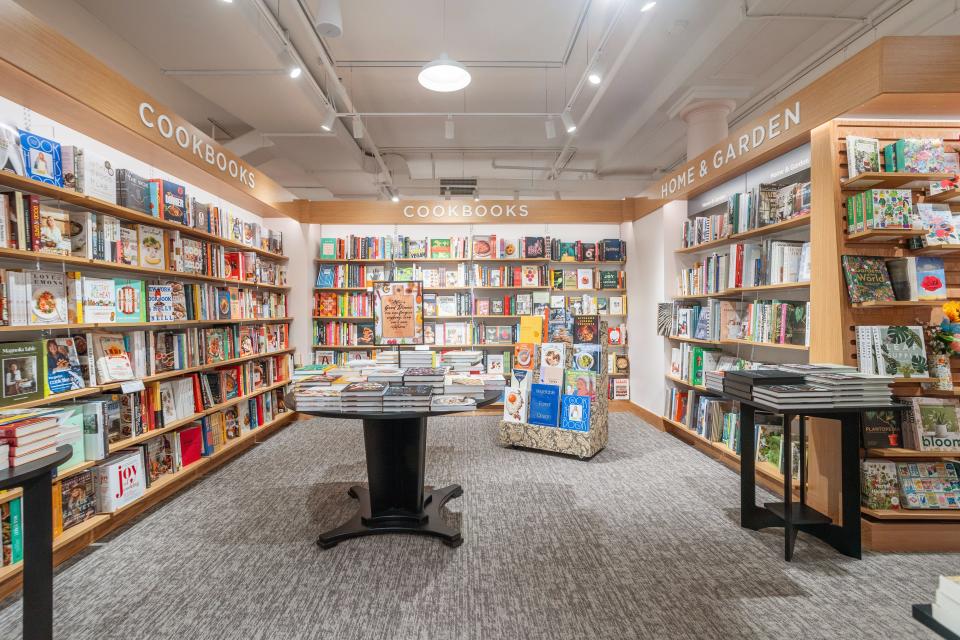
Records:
x=745, y=12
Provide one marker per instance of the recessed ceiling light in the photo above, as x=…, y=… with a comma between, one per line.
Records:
x=594, y=78
x=550, y=128
x=329, y=117
x=295, y=72
x=568, y=122
x=444, y=75
x=394, y=198
x=228, y=1
x=648, y=6
x=449, y=132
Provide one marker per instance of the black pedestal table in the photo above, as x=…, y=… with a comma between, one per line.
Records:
x=395, y=500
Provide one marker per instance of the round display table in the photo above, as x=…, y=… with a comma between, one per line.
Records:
x=395, y=500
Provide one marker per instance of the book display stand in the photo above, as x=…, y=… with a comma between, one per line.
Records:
x=565, y=441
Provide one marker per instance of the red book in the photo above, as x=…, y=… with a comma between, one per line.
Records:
x=30, y=457
x=191, y=444
x=47, y=445
x=22, y=440
x=26, y=427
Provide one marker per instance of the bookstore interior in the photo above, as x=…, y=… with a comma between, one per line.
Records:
x=629, y=277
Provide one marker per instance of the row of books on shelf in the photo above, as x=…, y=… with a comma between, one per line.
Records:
x=105, y=238
x=761, y=321
x=87, y=172
x=879, y=279
x=765, y=205
x=477, y=247
x=44, y=368
x=37, y=298
x=889, y=485
x=906, y=155
x=747, y=265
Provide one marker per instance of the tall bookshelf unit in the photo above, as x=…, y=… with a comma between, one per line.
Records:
x=75, y=538
x=472, y=319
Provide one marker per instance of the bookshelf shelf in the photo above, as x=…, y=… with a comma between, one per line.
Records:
x=683, y=382
x=603, y=263
x=777, y=227
x=573, y=292
x=344, y=318
x=353, y=261
x=884, y=236
x=570, y=263
x=938, y=250
x=696, y=296
x=88, y=203
x=114, y=326
x=694, y=340
x=370, y=347
x=767, y=345
x=892, y=180
x=783, y=286
x=910, y=454
x=893, y=304
x=951, y=195
x=706, y=246
x=912, y=514
x=74, y=470
x=78, y=531
x=341, y=288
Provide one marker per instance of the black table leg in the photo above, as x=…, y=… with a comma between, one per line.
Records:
x=789, y=531
x=850, y=485
x=37, y=559
x=396, y=501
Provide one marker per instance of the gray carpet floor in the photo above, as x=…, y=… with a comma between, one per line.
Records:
x=640, y=542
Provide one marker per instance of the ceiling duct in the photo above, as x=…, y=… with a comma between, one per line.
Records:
x=458, y=186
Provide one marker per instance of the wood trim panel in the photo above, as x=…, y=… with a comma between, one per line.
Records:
x=46, y=72
x=910, y=536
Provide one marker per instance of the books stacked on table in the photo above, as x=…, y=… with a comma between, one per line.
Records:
x=460, y=385
x=493, y=381
x=414, y=398
x=742, y=384
x=28, y=438
x=363, y=397
x=784, y=396
x=317, y=399
x=713, y=381
x=308, y=371
x=431, y=376
x=389, y=375
x=946, y=606
x=462, y=360
x=390, y=358
x=416, y=358
x=452, y=403
x=852, y=389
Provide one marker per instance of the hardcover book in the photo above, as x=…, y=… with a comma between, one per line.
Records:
x=133, y=192
x=867, y=279
x=544, y=405
x=151, y=247
x=929, y=485
x=55, y=231
x=531, y=329
x=62, y=371
x=575, y=413
x=41, y=158
x=78, y=499
x=21, y=371
x=482, y=247
x=120, y=480
x=129, y=300
x=881, y=429
x=560, y=326
x=863, y=155
x=586, y=357
x=533, y=247
x=160, y=303
x=586, y=329
x=99, y=300
x=47, y=297
x=900, y=350
x=933, y=424
x=112, y=360
x=552, y=354
x=96, y=176
x=580, y=383
x=523, y=356
x=174, y=202
x=879, y=487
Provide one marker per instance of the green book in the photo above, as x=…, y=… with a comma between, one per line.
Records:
x=867, y=279
x=439, y=247
x=129, y=296
x=16, y=531
x=328, y=248
x=22, y=371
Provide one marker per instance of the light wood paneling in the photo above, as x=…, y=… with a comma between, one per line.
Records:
x=916, y=536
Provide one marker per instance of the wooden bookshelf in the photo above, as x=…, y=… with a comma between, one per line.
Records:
x=766, y=345
x=706, y=246
x=88, y=203
x=344, y=318
x=946, y=250
x=766, y=288
x=950, y=195
x=884, y=236
x=694, y=340
x=896, y=304
x=770, y=229
x=952, y=515
x=681, y=381
x=896, y=453
x=892, y=180
x=116, y=326
x=342, y=288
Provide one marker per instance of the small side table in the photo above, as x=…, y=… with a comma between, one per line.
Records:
x=923, y=613
x=35, y=478
x=797, y=516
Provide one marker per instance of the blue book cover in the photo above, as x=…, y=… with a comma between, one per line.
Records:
x=41, y=158
x=325, y=276
x=544, y=405
x=575, y=413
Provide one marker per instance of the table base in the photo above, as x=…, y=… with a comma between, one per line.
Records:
x=428, y=522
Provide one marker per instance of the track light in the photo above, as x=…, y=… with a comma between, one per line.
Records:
x=551, y=128
x=295, y=72
x=476, y=195
x=329, y=117
x=395, y=197
x=568, y=122
x=228, y=1
x=328, y=21
x=648, y=6
x=448, y=129
x=357, y=127
x=594, y=78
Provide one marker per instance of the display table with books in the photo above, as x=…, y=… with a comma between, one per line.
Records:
x=35, y=477
x=395, y=500
x=806, y=391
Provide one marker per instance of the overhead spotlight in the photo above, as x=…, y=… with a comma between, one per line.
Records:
x=648, y=6
x=395, y=198
x=228, y=1
x=568, y=122
x=476, y=195
x=444, y=75
x=357, y=127
x=328, y=21
x=329, y=117
x=295, y=72
x=448, y=128
x=551, y=128
x=594, y=78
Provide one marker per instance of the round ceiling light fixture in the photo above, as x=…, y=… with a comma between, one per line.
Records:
x=594, y=78
x=444, y=75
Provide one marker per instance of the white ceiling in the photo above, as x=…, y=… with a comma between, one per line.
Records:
x=210, y=60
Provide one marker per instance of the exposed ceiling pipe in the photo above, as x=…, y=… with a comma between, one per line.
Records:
x=476, y=64
x=366, y=144
x=745, y=10
x=519, y=167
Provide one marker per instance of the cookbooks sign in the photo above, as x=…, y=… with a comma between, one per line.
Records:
x=466, y=211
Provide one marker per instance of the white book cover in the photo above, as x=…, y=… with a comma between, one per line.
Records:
x=96, y=176
x=516, y=397
x=584, y=278
x=17, y=296
x=113, y=363
x=81, y=234
x=120, y=480
x=94, y=431
x=151, y=247
x=99, y=300
x=47, y=297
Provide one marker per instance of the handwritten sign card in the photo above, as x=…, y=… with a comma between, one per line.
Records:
x=398, y=312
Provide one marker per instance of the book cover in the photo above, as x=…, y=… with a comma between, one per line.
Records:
x=931, y=278
x=78, y=498
x=615, y=335
x=531, y=329
x=128, y=245
x=120, y=480
x=54, y=231
x=938, y=219
x=96, y=176
x=81, y=234
x=881, y=429
x=863, y=155
x=129, y=300
x=584, y=279
x=621, y=389
x=867, y=279
x=21, y=371
x=190, y=444
x=934, y=424
x=552, y=354
x=575, y=413
x=586, y=357
x=112, y=359
x=586, y=329
x=99, y=300
x=900, y=350
x=174, y=202
x=151, y=252
x=328, y=248
x=580, y=383
x=879, y=486
x=223, y=303
x=482, y=247
x=523, y=356
x=440, y=248
x=544, y=405
x=47, y=297
x=534, y=247
x=160, y=303
x=560, y=326
x=41, y=158
x=133, y=192
x=621, y=364
x=62, y=371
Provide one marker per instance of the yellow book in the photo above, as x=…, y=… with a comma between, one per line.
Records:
x=531, y=329
x=74, y=297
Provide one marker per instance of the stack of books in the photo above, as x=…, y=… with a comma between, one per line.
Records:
x=493, y=381
x=362, y=397
x=855, y=389
x=785, y=396
x=452, y=403
x=946, y=607
x=317, y=399
x=416, y=358
x=388, y=357
x=388, y=375
x=462, y=360
x=29, y=438
x=713, y=381
x=430, y=376
x=401, y=399
x=742, y=384
x=461, y=385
